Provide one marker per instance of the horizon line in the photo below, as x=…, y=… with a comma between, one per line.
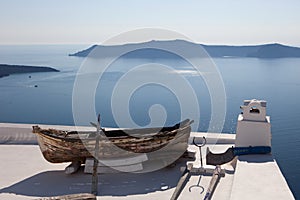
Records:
x=100, y=43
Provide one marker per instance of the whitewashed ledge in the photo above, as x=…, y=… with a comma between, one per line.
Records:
x=13, y=133
x=26, y=174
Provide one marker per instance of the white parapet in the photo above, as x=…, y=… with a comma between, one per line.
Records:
x=253, y=127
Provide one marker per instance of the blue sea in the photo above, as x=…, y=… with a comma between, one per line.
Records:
x=275, y=80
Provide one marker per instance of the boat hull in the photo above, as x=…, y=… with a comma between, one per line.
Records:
x=61, y=146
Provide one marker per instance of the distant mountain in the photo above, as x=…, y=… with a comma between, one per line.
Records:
x=275, y=51
x=151, y=50
x=6, y=70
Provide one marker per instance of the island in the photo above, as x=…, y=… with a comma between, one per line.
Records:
x=6, y=70
x=151, y=49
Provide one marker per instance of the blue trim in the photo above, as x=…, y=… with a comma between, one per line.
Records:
x=251, y=150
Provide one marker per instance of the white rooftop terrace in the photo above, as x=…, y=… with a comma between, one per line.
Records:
x=25, y=174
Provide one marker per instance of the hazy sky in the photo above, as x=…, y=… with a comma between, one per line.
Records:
x=93, y=21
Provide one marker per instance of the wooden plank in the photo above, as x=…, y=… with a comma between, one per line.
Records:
x=206, y=171
x=213, y=183
x=181, y=184
x=99, y=134
x=82, y=196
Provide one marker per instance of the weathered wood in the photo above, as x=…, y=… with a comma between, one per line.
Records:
x=213, y=183
x=83, y=196
x=190, y=170
x=204, y=171
x=62, y=146
x=181, y=184
x=95, y=164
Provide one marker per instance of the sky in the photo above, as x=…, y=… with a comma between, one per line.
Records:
x=232, y=22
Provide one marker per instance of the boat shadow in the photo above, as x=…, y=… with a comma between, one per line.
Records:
x=56, y=183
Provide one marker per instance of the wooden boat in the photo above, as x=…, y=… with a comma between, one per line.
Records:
x=73, y=146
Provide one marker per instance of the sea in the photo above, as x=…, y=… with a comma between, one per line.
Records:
x=124, y=101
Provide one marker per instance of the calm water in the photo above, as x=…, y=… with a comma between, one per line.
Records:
x=275, y=80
